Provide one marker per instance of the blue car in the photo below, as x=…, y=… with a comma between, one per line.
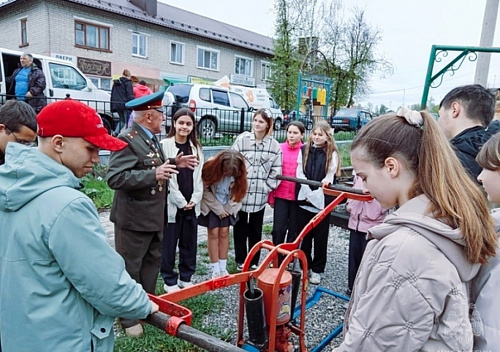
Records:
x=350, y=119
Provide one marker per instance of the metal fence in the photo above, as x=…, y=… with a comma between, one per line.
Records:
x=109, y=118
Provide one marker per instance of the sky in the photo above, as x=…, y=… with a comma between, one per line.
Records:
x=408, y=30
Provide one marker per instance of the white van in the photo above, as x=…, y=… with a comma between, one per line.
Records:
x=259, y=98
x=63, y=79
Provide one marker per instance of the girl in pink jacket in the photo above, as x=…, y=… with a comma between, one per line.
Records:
x=283, y=199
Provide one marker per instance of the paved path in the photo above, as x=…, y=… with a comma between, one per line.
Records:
x=202, y=231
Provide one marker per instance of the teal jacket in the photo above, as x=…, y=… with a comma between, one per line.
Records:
x=61, y=283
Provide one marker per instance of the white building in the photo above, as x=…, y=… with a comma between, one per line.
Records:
x=159, y=43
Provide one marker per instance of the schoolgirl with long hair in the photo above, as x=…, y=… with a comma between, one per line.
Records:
x=225, y=185
x=183, y=203
x=411, y=291
x=318, y=160
x=283, y=199
x=262, y=155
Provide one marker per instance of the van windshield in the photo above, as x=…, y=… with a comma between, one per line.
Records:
x=66, y=77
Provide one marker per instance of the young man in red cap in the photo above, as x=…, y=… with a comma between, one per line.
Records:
x=139, y=174
x=61, y=283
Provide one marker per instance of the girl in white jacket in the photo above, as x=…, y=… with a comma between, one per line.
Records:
x=183, y=202
x=411, y=292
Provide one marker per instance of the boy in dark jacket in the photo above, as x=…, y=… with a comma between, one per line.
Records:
x=122, y=92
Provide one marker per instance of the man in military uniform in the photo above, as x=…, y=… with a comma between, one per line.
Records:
x=139, y=174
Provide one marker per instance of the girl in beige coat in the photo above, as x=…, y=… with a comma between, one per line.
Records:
x=225, y=185
x=411, y=293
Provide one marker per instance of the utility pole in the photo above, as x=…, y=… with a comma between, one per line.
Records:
x=487, y=35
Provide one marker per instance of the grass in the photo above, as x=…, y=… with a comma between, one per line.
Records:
x=156, y=340
x=226, y=139
x=98, y=190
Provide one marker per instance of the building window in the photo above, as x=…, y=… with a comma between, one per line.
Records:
x=208, y=58
x=139, y=45
x=101, y=83
x=243, y=66
x=24, y=32
x=91, y=36
x=265, y=71
x=177, y=53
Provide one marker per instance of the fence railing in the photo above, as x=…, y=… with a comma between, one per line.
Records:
x=102, y=107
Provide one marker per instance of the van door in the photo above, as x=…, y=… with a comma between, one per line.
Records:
x=238, y=103
x=64, y=80
x=228, y=117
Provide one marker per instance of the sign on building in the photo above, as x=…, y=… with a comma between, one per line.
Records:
x=94, y=67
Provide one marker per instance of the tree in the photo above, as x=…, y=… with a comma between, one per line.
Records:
x=357, y=44
x=348, y=45
x=285, y=64
x=383, y=109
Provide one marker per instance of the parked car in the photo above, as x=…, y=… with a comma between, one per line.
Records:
x=350, y=119
x=293, y=115
x=217, y=109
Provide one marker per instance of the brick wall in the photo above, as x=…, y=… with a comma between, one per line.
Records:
x=51, y=30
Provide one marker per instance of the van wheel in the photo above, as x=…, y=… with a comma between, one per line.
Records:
x=277, y=124
x=206, y=128
x=106, y=124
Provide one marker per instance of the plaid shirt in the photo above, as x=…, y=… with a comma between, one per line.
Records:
x=263, y=161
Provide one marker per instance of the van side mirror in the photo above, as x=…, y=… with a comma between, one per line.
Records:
x=251, y=109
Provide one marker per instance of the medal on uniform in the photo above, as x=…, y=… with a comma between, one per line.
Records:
x=150, y=155
x=153, y=191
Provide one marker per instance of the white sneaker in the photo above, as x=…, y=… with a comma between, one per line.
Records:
x=315, y=278
x=169, y=289
x=215, y=274
x=184, y=284
x=223, y=273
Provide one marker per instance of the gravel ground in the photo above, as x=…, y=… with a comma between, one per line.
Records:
x=322, y=318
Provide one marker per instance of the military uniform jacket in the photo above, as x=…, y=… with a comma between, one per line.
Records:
x=139, y=201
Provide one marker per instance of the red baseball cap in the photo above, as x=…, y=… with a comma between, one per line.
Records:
x=71, y=118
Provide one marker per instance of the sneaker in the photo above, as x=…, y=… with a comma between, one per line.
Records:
x=172, y=288
x=134, y=331
x=184, y=284
x=253, y=267
x=315, y=278
x=239, y=267
x=216, y=274
x=223, y=273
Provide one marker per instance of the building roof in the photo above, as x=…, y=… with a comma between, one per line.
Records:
x=175, y=18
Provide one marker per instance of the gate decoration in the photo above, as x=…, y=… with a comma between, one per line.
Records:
x=438, y=52
x=314, y=88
